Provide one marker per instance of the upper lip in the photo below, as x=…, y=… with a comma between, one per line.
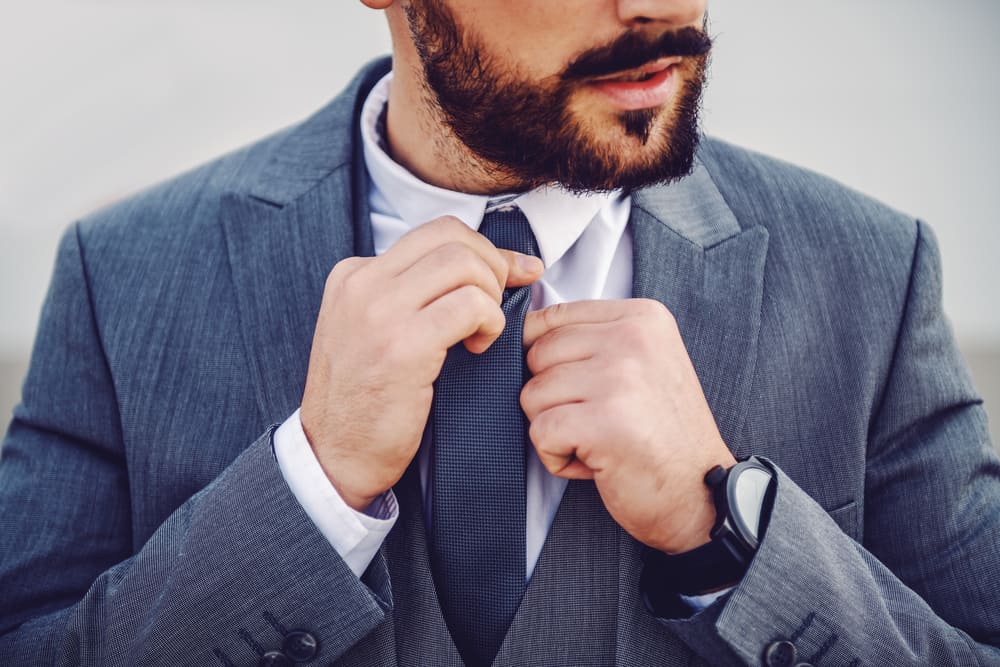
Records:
x=648, y=68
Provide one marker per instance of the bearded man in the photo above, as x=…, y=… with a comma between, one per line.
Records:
x=583, y=387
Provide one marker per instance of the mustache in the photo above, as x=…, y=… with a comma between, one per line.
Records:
x=633, y=50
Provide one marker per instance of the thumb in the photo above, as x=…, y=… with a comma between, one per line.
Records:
x=522, y=269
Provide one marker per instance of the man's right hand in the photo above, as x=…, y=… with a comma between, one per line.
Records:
x=384, y=329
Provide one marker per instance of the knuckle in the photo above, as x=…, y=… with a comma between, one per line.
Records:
x=539, y=432
x=656, y=310
x=463, y=259
x=448, y=224
x=543, y=349
x=341, y=270
x=499, y=321
x=452, y=251
x=465, y=263
x=351, y=281
x=440, y=316
x=467, y=305
x=527, y=400
x=332, y=282
x=670, y=322
x=464, y=300
x=535, y=355
x=652, y=308
x=493, y=315
x=474, y=299
x=555, y=314
x=491, y=305
x=558, y=377
x=553, y=465
x=547, y=431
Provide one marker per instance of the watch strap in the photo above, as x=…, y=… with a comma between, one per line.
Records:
x=709, y=567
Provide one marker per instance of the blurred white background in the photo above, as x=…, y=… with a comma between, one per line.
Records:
x=898, y=98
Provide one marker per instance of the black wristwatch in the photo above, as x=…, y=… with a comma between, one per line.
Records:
x=743, y=496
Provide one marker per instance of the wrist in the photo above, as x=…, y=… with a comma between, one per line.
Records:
x=700, y=512
x=359, y=498
x=339, y=469
x=742, y=497
x=357, y=502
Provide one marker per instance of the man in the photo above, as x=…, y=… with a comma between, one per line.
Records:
x=484, y=458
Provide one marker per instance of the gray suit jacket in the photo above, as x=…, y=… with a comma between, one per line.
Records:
x=143, y=519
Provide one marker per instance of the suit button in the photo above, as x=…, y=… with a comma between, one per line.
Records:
x=804, y=664
x=780, y=654
x=275, y=659
x=300, y=646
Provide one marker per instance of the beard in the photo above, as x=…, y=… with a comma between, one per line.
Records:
x=528, y=133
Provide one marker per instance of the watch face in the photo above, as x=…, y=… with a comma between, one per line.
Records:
x=750, y=488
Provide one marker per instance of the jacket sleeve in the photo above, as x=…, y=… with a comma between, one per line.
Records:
x=924, y=587
x=223, y=579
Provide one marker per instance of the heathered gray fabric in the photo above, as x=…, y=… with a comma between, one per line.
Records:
x=144, y=521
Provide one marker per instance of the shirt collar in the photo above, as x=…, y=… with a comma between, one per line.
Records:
x=557, y=217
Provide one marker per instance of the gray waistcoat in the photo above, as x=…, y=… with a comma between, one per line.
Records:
x=581, y=606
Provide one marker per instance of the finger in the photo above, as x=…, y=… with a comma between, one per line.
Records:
x=444, y=269
x=419, y=241
x=553, y=435
x=575, y=469
x=560, y=385
x=522, y=269
x=465, y=314
x=539, y=322
x=573, y=342
x=581, y=312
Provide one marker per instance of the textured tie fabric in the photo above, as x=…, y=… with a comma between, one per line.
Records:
x=480, y=435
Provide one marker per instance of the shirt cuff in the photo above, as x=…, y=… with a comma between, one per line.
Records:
x=356, y=536
x=701, y=602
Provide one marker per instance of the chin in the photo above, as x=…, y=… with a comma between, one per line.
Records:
x=630, y=161
x=634, y=137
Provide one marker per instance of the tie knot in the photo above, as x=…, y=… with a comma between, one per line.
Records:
x=509, y=229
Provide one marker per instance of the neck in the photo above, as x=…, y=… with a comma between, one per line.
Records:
x=419, y=139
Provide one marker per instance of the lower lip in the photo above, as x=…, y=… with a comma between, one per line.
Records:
x=636, y=95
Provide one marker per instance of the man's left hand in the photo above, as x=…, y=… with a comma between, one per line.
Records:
x=615, y=398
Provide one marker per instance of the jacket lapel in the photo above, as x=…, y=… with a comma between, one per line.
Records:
x=285, y=231
x=279, y=259
x=691, y=255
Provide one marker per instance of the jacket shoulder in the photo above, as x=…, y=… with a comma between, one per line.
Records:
x=176, y=210
x=276, y=170
x=793, y=202
x=840, y=265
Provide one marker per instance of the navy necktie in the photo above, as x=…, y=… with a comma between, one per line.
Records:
x=480, y=436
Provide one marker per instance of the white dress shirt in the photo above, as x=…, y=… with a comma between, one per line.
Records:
x=586, y=246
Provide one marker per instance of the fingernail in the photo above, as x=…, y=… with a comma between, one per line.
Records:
x=529, y=263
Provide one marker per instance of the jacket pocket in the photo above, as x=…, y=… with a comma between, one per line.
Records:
x=846, y=516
